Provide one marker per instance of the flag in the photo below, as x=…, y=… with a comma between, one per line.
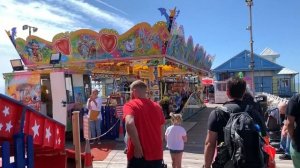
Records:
x=49, y=133
x=36, y=127
x=10, y=115
x=59, y=136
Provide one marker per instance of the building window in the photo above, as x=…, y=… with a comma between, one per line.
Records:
x=284, y=83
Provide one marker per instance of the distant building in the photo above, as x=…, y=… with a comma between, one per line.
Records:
x=269, y=76
x=269, y=54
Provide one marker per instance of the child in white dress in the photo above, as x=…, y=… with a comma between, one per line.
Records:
x=175, y=136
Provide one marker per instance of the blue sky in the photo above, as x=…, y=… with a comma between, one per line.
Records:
x=218, y=25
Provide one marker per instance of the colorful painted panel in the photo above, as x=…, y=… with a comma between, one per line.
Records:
x=85, y=45
x=186, y=52
x=34, y=51
x=24, y=88
x=79, y=95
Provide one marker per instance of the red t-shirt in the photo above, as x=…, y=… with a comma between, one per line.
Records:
x=148, y=119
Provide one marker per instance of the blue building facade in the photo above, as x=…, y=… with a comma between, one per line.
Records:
x=266, y=77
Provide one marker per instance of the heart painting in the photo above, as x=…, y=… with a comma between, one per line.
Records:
x=63, y=46
x=108, y=42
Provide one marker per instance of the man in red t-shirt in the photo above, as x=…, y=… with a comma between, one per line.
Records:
x=144, y=123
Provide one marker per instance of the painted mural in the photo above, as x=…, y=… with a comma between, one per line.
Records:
x=25, y=88
x=86, y=45
x=79, y=95
x=34, y=50
x=83, y=47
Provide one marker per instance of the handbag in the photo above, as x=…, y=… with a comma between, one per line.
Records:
x=94, y=115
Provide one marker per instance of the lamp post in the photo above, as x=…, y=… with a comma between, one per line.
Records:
x=251, y=65
x=34, y=29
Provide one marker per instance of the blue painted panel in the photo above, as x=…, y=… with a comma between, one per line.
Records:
x=263, y=84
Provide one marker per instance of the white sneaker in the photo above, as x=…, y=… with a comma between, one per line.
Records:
x=98, y=142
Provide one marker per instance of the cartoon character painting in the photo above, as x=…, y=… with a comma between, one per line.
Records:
x=33, y=51
x=129, y=45
x=87, y=47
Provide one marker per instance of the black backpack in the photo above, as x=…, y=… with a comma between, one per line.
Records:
x=242, y=146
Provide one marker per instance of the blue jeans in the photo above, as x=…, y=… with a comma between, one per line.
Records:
x=95, y=128
x=285, y=143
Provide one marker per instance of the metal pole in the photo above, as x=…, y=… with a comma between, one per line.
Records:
x=29, y=27
x=250, y=4
x=298, y=84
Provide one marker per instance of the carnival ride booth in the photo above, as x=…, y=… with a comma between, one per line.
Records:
x=60, y=74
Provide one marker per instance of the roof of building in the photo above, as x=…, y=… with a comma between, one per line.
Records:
x=241, y=62
x=286, y=71
x=269, y=51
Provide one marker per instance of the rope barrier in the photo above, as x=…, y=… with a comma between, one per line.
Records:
x=106, y=131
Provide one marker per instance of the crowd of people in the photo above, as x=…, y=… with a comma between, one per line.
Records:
x=173, y=102
x=236, y=129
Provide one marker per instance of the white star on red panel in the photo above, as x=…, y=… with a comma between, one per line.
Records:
x=58, y=141
x=6, y=111
x=8, y=126
x=35, y=129
x=48, y=133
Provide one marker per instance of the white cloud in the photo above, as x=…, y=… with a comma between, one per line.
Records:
x=49, y=19
x=112, y=7
x=101, y=15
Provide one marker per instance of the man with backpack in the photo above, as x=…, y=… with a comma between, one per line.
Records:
x=232, y=128
x=293, y=126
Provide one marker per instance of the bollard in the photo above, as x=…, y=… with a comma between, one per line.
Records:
x=119, y=113
x=76, y=138
x=88, y=160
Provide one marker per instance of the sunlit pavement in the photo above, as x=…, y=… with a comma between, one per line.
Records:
x=193, y=155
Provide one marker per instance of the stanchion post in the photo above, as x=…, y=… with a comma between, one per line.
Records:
x=119, y=111
x=76, y=138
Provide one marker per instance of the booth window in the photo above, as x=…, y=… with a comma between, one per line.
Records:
x=69, y=88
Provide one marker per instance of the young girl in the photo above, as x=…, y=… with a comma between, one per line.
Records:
x=176, y=136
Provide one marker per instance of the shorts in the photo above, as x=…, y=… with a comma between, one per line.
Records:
x=295, y=156
x=142, y=163
x=175, y=151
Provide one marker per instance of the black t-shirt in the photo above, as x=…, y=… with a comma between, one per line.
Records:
x=218, y=119
x=216, y=123
x=293, y=109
